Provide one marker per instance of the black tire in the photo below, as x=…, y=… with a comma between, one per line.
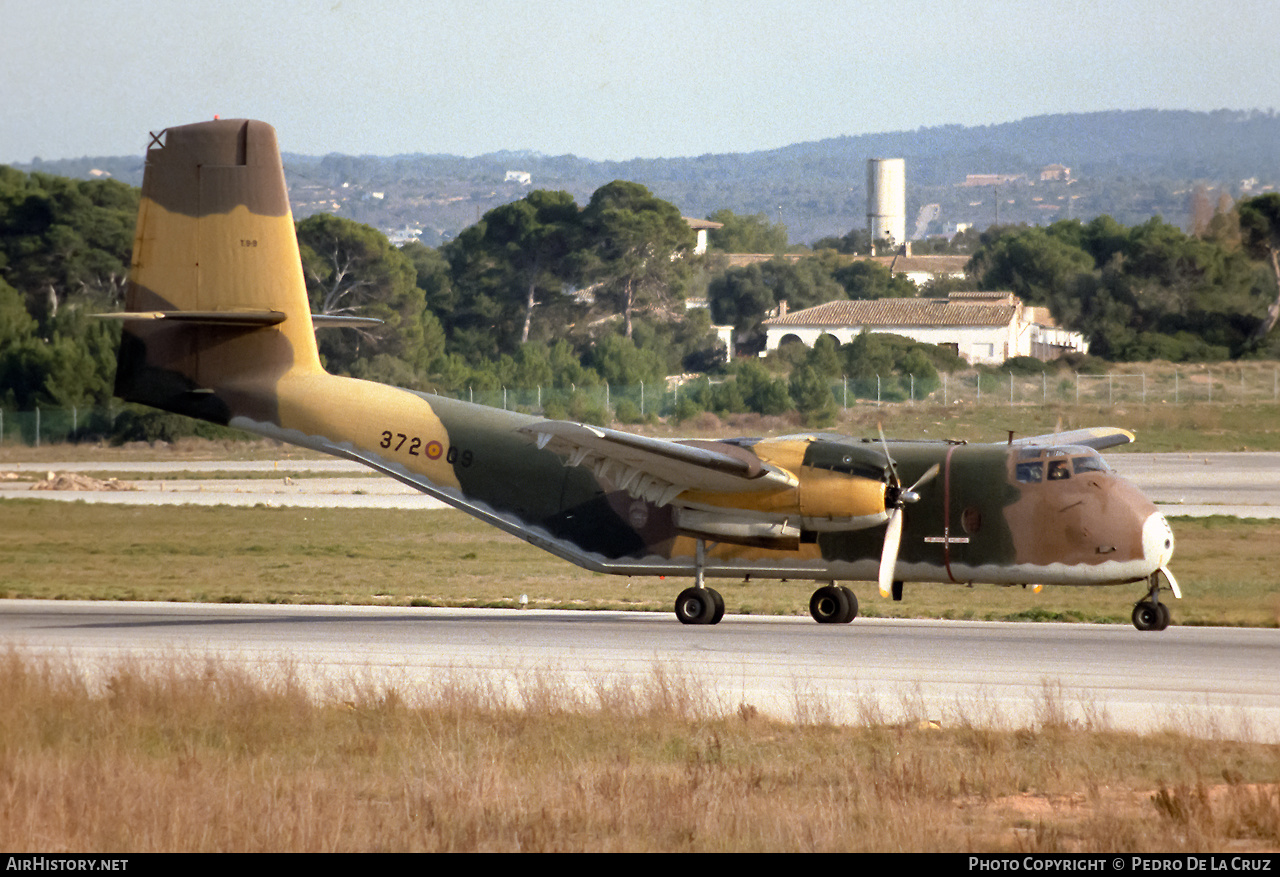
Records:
x=853, y=603
x=1166, y=617
x=695, y=606
x=897, y=592
x=1146, y=615
x=719, y=610
x=829, y=605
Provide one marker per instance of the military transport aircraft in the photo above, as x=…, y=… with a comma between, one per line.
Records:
x=217, y=326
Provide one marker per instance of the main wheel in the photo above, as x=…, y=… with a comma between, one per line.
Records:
x=696, y=606
x=719, y=601
x=830, y=605
x=853, y=602
x=1146, y=615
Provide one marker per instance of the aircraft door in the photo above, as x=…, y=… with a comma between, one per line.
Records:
x=975, y=489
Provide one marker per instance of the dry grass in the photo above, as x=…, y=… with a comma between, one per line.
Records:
x=212, y=758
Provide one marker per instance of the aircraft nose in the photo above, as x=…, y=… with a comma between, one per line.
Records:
x=1157, y=540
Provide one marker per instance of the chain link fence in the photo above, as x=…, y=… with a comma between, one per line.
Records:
x=49, y=425
x=614, y=403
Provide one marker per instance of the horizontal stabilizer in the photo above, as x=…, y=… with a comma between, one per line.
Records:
x=242, y=318
x=203, y=318
x=337, y=321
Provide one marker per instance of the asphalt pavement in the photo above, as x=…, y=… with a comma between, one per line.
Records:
x=1245, y=484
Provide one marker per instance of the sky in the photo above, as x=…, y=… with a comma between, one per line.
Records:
x=605, y=79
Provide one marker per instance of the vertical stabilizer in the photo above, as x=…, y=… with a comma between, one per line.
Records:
x=216, y=304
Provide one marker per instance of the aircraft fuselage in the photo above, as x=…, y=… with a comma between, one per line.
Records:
x=1004, y=514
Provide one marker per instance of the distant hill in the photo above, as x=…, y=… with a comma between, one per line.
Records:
x=1128, y=164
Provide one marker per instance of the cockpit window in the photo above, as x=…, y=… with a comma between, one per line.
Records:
x=1034, y=465
x=1031, y=473
x=1091, y=462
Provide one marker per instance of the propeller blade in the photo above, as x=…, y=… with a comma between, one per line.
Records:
x=889, y=556
x=893, y=470
x=1173, y=583
x=893, y=529
x=910, y=495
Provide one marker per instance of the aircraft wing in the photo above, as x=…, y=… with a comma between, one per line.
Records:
x=658, y=470
x=1096, y=437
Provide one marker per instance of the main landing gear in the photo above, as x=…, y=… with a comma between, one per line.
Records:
x=1149, y=613
x=830, y=604
x=700, y=604
x=833, y=604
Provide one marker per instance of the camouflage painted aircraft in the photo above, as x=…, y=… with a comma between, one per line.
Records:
x=217, y=326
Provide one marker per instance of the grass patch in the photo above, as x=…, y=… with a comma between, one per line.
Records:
x=183, y=450
x=444, y=558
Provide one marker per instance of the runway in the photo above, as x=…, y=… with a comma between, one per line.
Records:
x=295, y=483
x=1240, y=484
x=1214, y=682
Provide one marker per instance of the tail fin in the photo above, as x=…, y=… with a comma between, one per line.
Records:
x=216, y=306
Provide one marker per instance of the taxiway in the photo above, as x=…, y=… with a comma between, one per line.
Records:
x=1242, y=484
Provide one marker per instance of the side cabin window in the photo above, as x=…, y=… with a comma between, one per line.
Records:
x=1034, y=465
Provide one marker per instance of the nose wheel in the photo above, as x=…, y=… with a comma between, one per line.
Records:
x=1150, y=616
x=1149, y=613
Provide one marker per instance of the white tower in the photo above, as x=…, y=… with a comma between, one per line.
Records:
x=887, y=202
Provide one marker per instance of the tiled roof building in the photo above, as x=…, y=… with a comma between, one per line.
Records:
x=982, y=327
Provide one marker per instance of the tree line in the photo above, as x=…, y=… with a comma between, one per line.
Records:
x=546, y=292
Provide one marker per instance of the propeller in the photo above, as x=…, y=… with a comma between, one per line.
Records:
x=889, y=556
x=896, y=498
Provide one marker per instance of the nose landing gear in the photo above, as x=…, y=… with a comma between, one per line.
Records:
x=1149, y=613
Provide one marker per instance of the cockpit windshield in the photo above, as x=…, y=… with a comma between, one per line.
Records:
x=1034, y=465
